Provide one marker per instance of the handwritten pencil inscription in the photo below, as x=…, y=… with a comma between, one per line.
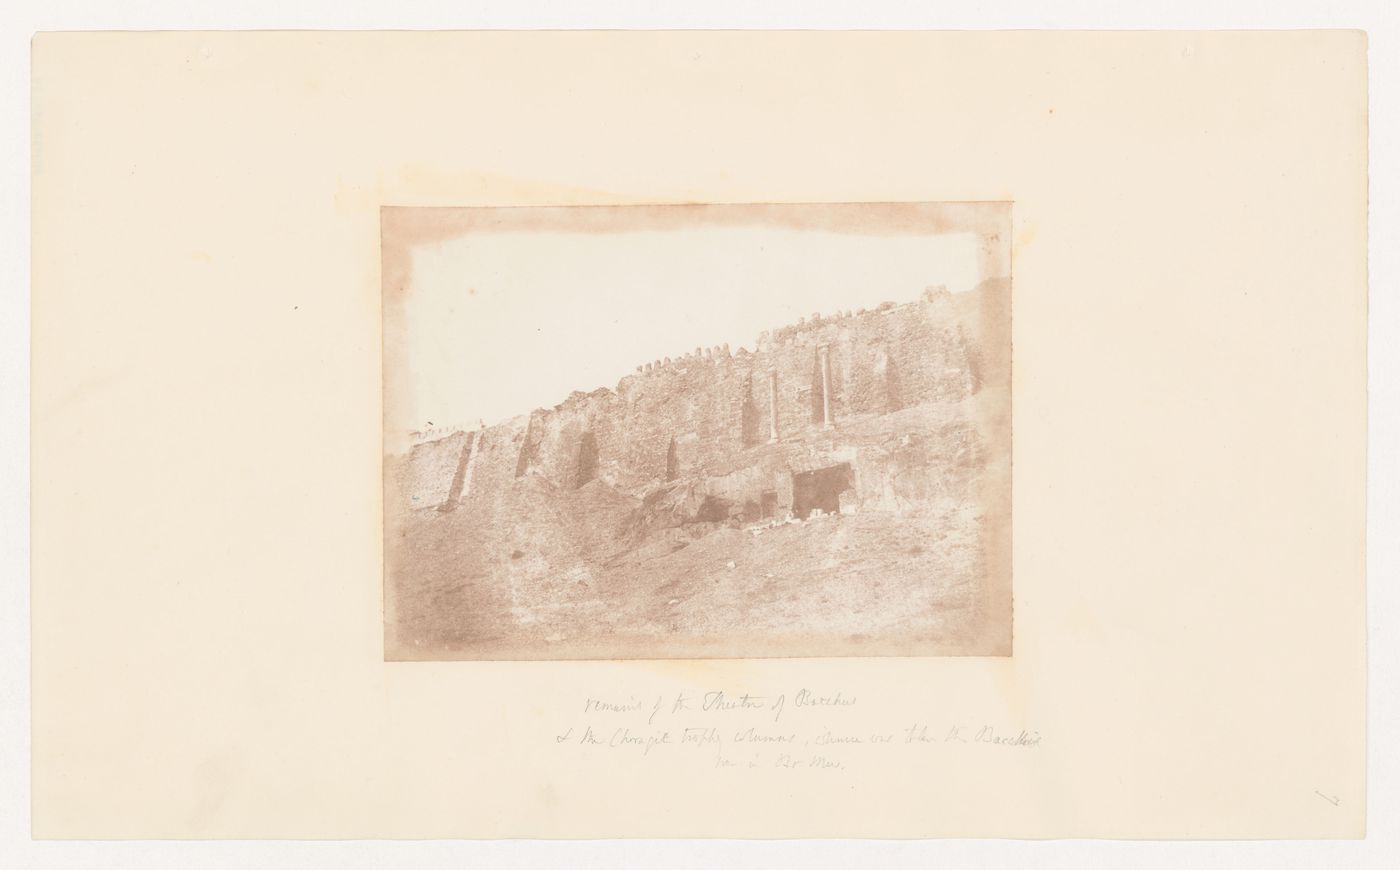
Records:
x=802, y=729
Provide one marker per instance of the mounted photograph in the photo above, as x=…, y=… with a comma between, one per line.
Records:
x=697, y=431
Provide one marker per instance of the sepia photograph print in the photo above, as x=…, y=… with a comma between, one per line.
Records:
x=697, y=431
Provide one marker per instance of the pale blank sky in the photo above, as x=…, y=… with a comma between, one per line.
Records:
x=500, y=323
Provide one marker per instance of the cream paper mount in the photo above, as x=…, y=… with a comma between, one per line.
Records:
x=219, y=645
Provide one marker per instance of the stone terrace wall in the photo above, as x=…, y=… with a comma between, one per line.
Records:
x=881, y=361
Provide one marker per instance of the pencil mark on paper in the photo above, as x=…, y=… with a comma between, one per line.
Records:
x=838, y=484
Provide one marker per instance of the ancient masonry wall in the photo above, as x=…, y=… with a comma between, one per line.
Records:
x=740, y=423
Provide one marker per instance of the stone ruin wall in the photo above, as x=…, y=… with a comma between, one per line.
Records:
x=705, y=418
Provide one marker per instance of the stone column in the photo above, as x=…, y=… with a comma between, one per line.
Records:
x=772, y=405
x=464, y=459
x=471, y=461
x=825, y=354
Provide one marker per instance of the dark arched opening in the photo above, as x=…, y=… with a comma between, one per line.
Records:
x=673, y=462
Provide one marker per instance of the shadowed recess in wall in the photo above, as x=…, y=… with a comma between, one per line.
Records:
x=587, y=459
